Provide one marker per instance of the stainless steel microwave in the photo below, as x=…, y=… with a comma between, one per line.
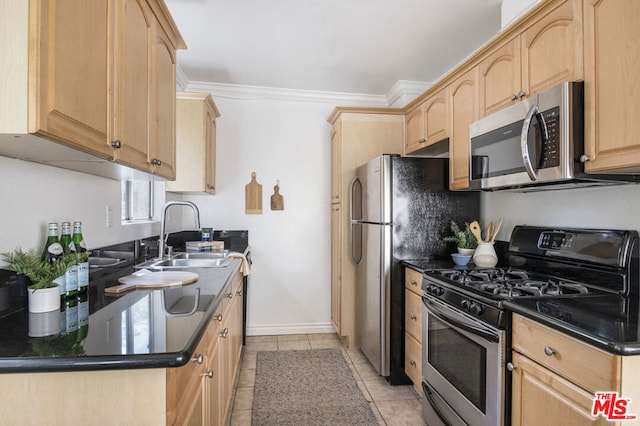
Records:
x=535, y=142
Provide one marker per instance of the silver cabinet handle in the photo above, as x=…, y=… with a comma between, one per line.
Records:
x=511, y=366
x=198, y=359
x=224, y=333
x=584, y=158
x=229, y=295
x=413, y=363
x=549, y=351
x=414, y=283
x=413, y=317
x=521, y=94
x=422, y=140
x=514, y=97
x=116, y=144
x=218, y=317
x=156, y=162
x=208, y=374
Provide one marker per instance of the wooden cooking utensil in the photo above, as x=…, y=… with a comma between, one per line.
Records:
x=489, y=232
x=475, y=230
x=495, y=231
x=160, y=279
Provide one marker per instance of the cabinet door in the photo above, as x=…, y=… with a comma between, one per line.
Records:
x=612, y=88
x=69, y=80
x=500, y=79
x=195, y=413
x=540, y=397
x=415, y=126
x=336, y=260
x=212, y=387
x=132, y=83
x=436, y=117
x=464, y=111
x=552, y=48
x=210, y=150
x=163, y=131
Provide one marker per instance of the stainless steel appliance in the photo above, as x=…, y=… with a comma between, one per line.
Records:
x=466, y=326
x=534, y=143
x=400, y=209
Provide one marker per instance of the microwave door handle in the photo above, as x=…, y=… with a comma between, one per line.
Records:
x=524, y=147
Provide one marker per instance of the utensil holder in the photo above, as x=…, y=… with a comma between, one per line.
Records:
x=485, y=255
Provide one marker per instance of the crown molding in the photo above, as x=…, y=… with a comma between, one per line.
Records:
x=402, y=92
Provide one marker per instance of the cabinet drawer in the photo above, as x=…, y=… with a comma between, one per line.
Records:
x=413, y=281
x=413, y=315
x=587, y=366
x=413, y=359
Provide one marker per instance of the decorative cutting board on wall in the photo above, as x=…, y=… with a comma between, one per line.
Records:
x=253, y=196
x=277, y=200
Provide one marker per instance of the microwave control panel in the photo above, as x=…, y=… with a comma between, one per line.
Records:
x=550, y=154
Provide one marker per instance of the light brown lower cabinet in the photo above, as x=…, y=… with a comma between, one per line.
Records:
x=555, y=377
x=413, y=326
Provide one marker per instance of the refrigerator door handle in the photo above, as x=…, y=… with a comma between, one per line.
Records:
x=352, y=237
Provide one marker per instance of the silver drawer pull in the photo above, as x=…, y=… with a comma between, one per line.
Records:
x=549, y=351
x=413, y=317
x=413, y=363
x=414, y=283
x=218, y=317
x=198, y=359
x=511, y=366
x=208, y=374
x=224, y=333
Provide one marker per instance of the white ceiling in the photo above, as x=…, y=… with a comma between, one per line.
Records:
x=349, y=46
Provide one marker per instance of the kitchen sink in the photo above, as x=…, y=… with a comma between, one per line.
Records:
x=104, y=262
x=189, y=260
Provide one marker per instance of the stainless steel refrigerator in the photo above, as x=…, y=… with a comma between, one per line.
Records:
x=401, y=208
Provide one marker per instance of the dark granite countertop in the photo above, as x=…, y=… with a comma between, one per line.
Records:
x=138, y=329
x=609, y=322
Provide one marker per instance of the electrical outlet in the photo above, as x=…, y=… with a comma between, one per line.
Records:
x=109, y=217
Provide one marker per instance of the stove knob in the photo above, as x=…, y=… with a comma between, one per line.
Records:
x=439, y=291
x=465, y=303
x=475, y=308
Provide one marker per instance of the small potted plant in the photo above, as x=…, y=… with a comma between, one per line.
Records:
x=464, y=239
x=43, y=293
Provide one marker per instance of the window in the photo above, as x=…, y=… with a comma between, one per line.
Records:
x=137, y=200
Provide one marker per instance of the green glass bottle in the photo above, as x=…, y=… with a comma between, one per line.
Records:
x=83, y=267
x=71, y=275
x=52, y=252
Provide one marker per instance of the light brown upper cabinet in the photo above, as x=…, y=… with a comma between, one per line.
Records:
x=98, y=77
x=196, y=115
x=612, y=88
x=546, y=52
x=463, y=103
x=428, y=123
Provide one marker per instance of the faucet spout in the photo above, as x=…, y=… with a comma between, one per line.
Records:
x=163, y=234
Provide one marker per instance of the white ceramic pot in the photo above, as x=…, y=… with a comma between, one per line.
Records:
x=485, y=256
x=44, y=299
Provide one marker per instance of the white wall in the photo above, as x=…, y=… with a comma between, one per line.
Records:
x=33, y=195
x=512, y=9
x=285, y=140
x=614, y=207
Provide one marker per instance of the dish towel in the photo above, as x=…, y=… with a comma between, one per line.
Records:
x=245, y=268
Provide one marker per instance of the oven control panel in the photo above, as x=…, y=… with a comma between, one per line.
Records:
x=556, y=240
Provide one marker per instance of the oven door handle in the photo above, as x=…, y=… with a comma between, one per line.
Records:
x=444, y=317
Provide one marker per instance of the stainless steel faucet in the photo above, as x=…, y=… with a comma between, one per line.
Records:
x=163, y=237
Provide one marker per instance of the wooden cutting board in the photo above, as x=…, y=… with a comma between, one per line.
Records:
x=158, y=279
x=253, y=196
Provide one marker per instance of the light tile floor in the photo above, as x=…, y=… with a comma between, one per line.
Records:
x=392, y=405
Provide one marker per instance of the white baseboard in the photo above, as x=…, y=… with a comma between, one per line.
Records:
x=273, y=329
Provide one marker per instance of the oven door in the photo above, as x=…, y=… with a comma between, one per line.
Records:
x=462, y=364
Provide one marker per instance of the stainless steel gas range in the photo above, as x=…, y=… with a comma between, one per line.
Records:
x=466, y=327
